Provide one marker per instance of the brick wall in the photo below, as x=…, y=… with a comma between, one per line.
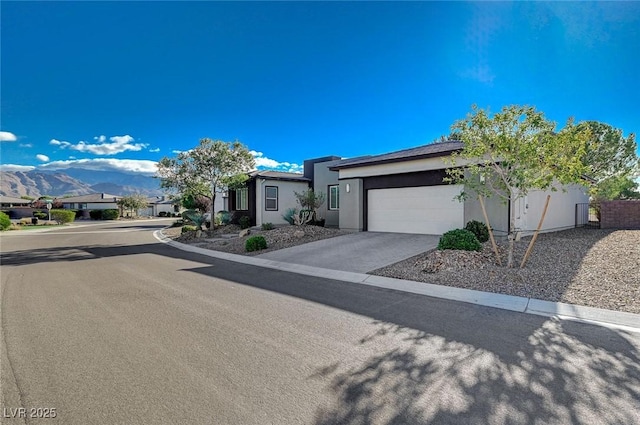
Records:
x=620, y=214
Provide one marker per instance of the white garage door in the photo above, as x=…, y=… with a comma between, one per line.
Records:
x=427, y=209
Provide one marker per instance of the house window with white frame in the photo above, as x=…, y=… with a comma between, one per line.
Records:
x=242, y=199
x=334, y=197
x=271, y=198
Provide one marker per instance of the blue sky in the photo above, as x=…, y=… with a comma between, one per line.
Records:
x=119, y=85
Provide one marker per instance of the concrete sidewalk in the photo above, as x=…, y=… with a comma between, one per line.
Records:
x=359, y=252
x=617, y=319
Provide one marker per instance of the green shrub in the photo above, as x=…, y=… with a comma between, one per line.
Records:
x=40, y=214
x=267, y=226
x=162, y=214
x=177, y=223
x=459, y=239
x=95, y=214
x=479, y=229
x=188, y=228
x=110, y=214
x=5, y=221
x=289, y=214
x=63, y=216
x=244, y=222
x=224, y=217
x=255, y=243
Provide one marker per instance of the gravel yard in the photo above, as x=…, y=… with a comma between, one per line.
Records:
x=591, y=267
x=278, y=238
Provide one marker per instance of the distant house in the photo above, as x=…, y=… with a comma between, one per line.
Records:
x=10, y=202
x=158, y=204
x=93, y=201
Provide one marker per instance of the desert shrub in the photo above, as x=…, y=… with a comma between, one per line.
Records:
x=63, y=216
x=162, y=214
x=290, y=214
x=40, y=214
x=244, y=222
x=95, y=214
x=479, y=229
x=188, y=228
x=177, y=223
x=267, y=226
x=255, y=243
x=5, y=221
x=110, y=214
x=224, y=217
x=459, y=239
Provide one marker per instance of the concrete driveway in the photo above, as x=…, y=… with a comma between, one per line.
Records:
x=359, y=252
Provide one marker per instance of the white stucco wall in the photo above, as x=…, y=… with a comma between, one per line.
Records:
x=286, y=199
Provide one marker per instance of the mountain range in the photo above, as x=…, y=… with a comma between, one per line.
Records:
x=74, y=182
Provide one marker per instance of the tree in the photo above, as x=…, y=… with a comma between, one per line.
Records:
x=610, y=158
x=617, y=187
x=310, y=201
x=133, y=203
x=512, y=152
x=210, y=168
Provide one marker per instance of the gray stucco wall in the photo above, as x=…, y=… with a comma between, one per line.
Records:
x=496, y=210
x=322, y=178
x=351, y=214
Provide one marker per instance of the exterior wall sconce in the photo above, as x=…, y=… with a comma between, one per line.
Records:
x=348, y=188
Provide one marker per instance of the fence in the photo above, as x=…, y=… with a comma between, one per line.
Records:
x=588, y=215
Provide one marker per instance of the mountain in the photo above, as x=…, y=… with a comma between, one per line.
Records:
x=74, y=182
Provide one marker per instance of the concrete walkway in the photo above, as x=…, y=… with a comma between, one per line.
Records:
x=360, y=252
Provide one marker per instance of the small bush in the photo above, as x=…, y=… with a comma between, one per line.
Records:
x=110, y=214
x=459, y=239
x=162, y=214
x=5, y=221
x=289, y=214
x=188, y=228
x=177, y=223
x=479, y=229
x=40, y=214
x=244, y=222
x=224, y=217
x=95, y=214
x=255, y=243
x=267, y=226
x=63, y=216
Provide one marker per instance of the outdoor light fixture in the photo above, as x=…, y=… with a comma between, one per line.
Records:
x=348, y=188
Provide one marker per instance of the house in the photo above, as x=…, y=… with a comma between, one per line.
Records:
x=10, y=202
x=158, y=204
x=93, y=201
x=405, y=192
x=267, y=195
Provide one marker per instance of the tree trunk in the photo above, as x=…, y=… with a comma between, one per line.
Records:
x=512, y=227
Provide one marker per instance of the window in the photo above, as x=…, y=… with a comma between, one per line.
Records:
x=271, y=198
x=82, y=206
x=242, y=199
x=334, y=197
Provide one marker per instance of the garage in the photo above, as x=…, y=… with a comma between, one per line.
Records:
x=425, y=209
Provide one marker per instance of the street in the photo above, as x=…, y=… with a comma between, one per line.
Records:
x=106, y=325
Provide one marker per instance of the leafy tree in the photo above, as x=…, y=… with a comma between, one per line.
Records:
x=28, y=198
x=208, y=169
x=133, y=203
x=310, y=200
x=196, y=202
x=5, y=221
x=610, y=158
x=617, y=187
x=512, y=152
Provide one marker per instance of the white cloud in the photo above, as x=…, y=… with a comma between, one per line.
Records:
x=6, y=136
x=263, y=162
x=154, y=150
x=14, y=167
x=26, y=145
x=43, y=158
x=141, y=166
x=118, y=144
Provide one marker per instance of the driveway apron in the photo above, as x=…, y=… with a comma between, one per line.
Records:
x=359, y=252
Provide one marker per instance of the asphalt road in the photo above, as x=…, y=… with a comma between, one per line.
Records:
x=107, y=326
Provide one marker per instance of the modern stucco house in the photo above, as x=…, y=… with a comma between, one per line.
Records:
x=405, y=192
x=92, y=201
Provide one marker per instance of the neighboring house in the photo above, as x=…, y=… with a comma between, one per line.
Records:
x=267, y=195
x=405, y=192
x=158, y=204
x=93, y=201
x=10, y=202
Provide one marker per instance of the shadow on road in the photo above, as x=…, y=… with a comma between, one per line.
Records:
x=446, y=362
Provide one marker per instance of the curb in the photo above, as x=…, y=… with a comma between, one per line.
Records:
x=599, y=316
